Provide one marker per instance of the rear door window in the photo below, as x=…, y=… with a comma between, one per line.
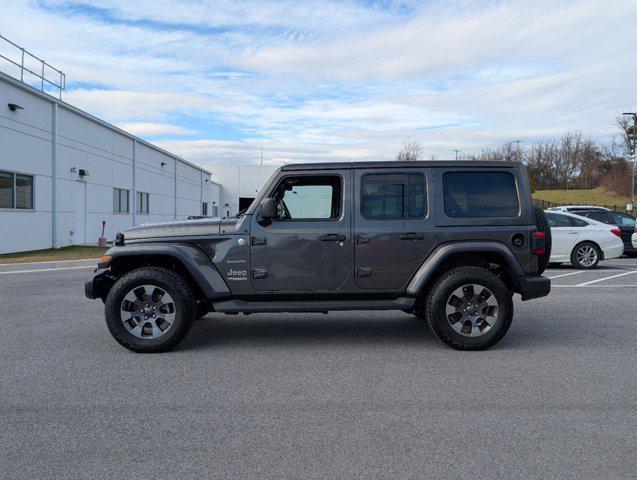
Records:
x=480, y=194
x=578, y=222
x=386, y=196
x=556, y=220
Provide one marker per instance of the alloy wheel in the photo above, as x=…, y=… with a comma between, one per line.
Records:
x=472, y=310
x=586, y=255
x=147, y=311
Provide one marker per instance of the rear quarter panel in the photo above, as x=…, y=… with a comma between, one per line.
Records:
x=498, y=229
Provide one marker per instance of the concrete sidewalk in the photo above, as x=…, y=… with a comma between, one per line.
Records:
x=52, y=265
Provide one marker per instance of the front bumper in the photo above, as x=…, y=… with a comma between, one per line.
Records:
x=533, y=286
x=98, y=283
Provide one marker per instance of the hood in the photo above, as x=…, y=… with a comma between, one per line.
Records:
x=186, y=228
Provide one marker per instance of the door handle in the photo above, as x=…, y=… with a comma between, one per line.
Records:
x=333, y=237
x=571, y=233
x=412, y=236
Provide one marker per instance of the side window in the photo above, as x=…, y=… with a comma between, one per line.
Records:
x=480, y=194
x=393, y=196
x=309, y=198
x=601, y=216
x=556, y=220
x=623, y=219
x=578, y=222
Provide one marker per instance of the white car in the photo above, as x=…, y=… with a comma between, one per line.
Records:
x=582, y=241
x=634, y=240
x=575, y=208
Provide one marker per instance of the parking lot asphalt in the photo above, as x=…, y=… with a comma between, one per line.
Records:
x=345, y=395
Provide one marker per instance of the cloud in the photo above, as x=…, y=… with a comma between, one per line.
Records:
x=155, y=129
x=344, y=80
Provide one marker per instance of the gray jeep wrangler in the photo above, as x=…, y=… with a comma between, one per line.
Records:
x=449, y=242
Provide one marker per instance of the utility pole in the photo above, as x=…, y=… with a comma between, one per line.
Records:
x=457, y=152
x=632, y=156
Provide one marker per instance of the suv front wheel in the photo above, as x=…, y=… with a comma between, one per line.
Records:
x=469, y=308
x=150, y=310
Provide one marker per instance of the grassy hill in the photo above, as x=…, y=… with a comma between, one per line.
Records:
x=596, y=196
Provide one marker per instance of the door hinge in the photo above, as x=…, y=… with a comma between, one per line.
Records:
x=363, y=272
x=259, y=273
x=362, y=239
x=256, y=241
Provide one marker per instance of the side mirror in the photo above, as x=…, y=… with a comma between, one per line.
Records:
x=268, y=209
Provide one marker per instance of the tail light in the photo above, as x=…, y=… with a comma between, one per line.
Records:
x=539, y=236
x=616, y=231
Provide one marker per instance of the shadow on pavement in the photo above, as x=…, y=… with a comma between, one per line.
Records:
x=291, y=330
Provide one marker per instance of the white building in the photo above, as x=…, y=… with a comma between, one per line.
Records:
x=239, y=185
x=63, y=172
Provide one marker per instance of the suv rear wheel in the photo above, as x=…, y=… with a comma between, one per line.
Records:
x=469, y=308
x=150, y=310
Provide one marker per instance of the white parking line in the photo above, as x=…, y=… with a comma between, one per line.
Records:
x=593, y=286
x=606, y=278
x=46, y=270
x=567, y=274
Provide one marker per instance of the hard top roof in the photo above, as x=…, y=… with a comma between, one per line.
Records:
x=395, y=164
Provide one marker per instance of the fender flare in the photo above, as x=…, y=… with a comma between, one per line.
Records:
x=196, y=262
x=441, y=253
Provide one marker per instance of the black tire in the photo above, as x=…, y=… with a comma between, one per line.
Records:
x=542, y=225
x=575, y=261
x=441, y=291
x=202, y=309
x=171, y=283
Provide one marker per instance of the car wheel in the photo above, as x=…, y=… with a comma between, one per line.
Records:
x=585, y=255
x=469, y=308
x=150, y=310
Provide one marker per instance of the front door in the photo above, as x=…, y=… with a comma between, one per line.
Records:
x=394, y=229
x=308, y=246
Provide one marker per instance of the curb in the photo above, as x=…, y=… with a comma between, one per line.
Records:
x=52, y=265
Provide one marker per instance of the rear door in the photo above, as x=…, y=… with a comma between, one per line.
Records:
x=394, y=229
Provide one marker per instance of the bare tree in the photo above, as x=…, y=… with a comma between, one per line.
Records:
x=411, y=152
x=629, y=136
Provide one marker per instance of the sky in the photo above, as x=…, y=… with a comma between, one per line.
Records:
x=216, y=81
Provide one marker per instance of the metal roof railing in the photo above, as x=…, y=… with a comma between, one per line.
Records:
x=59, y=80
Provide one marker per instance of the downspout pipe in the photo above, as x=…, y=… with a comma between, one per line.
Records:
x=54, y=176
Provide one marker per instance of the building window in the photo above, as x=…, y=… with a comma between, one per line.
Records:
x=204, y=209
x=16, y=191
x=394, y=196
x=120, y=201
x=142, y=202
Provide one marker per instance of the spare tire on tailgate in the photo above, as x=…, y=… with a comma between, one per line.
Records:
x=542, y=225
